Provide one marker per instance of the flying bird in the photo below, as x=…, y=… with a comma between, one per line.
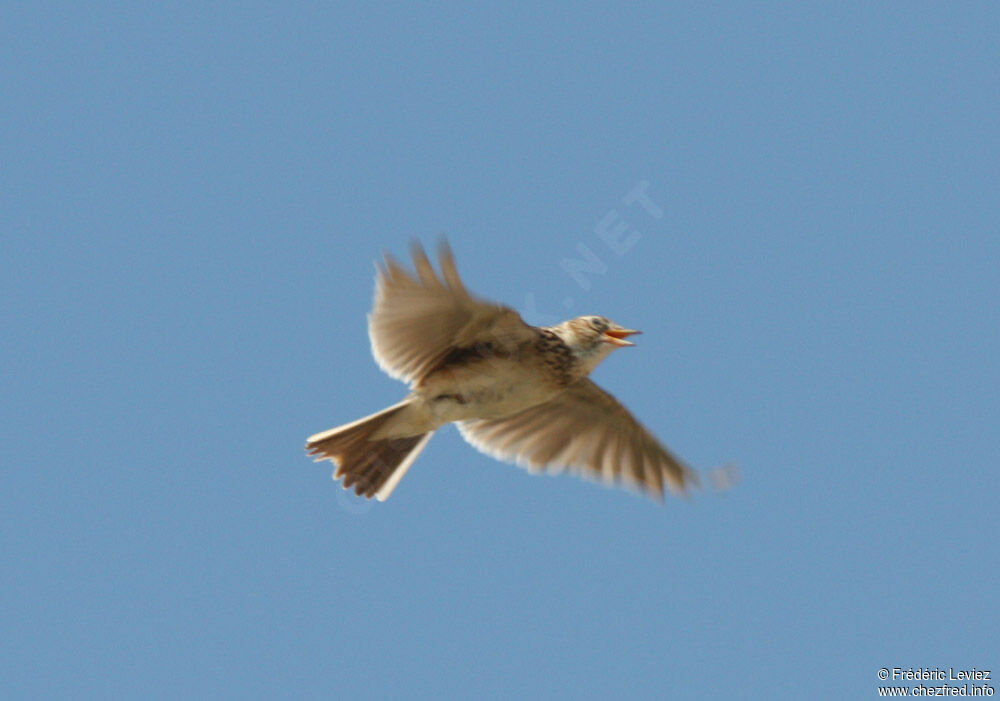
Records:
x=517, y=392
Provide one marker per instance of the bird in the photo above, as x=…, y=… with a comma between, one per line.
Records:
x=517, y=392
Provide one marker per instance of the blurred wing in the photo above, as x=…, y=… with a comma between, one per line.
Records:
x=588, y=431
x=416, y=322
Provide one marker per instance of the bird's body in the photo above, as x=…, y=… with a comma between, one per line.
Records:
x=516, y=391
x=481, y=382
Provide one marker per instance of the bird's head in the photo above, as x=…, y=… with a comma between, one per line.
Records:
x=592, y=338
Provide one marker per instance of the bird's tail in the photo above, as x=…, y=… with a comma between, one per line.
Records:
x=366, y=460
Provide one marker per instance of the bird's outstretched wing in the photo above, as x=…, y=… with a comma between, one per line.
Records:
x=416, y=322
x=590, y=432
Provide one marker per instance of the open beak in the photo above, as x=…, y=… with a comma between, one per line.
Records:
x=618, y=336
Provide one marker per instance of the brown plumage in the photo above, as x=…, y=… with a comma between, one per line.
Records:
x=517, y=392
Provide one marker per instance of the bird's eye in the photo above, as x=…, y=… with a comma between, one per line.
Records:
x=597, y=324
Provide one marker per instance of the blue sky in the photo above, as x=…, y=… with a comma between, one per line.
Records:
x=191, y=201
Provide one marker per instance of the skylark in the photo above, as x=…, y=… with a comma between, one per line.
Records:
x=517, y=392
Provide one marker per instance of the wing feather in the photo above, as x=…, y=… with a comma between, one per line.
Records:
x=416, y=321
x=590, y=432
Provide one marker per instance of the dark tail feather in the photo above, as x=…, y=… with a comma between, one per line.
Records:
x=372, y=467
